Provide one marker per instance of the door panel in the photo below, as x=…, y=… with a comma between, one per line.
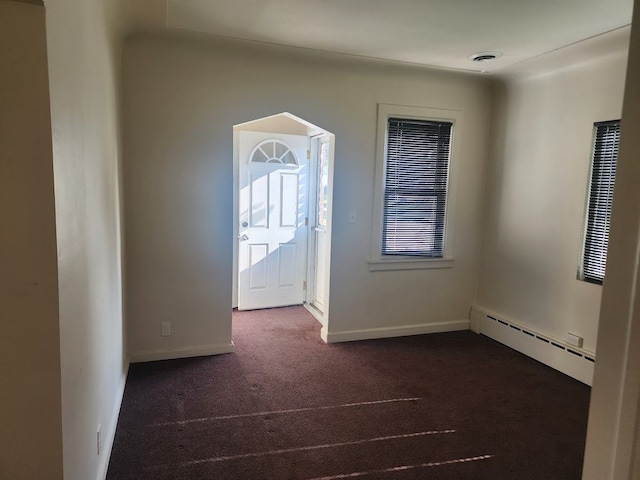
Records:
x=271, y=224
x=258, y=266
x=259, y=198
x=288, y=199
x=287, y=262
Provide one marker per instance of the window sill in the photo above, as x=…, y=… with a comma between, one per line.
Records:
x=409, y=264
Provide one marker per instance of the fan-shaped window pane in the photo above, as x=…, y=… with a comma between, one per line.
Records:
x=288, y=158
x=259, y=157
x=273, y=151
x=280, y=149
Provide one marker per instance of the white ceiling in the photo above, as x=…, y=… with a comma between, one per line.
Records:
x=441, y=33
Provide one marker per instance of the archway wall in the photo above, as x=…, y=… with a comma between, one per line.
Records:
x=183, y=94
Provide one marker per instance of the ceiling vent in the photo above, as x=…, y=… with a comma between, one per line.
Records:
x=484, y=56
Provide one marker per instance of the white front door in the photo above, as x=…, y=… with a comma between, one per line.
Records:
x=272, y=227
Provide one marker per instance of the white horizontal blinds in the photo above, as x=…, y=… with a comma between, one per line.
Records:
x=605, y=154
x=415, y=189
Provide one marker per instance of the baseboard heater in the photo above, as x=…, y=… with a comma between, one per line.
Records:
x=575, y=362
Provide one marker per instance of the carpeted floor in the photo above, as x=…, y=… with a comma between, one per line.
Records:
x=287, y=406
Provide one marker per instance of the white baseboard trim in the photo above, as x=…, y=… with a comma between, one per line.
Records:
x=388, y=332
x=183, y=352
x=110, y=431
x=554, y=352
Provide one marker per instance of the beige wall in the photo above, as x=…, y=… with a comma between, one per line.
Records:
x=536, y=194
x=30, y=410
x=613, y=436
x=84, y=61
x=63, y=361
x=182, y=97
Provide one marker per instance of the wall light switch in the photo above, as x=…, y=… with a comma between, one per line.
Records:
x=166, y=329
x=352, y=216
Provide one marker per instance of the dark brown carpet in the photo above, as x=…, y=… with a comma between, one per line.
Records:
x=288, y=406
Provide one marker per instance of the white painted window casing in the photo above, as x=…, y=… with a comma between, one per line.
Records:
x=378, y=261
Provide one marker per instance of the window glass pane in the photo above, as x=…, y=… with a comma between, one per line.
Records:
x=415, y=190
x=603, y=170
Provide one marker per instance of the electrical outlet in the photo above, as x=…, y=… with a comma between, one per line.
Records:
x=573, y=339
x=98, y=440
x=166, y=329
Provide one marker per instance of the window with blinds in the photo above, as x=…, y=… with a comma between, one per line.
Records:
x=603, y=173
x=415, y=187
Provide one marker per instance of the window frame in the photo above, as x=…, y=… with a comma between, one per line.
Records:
x=588, y=278
x=377, y=260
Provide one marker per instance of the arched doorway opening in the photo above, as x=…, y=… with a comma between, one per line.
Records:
x=283, y=171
